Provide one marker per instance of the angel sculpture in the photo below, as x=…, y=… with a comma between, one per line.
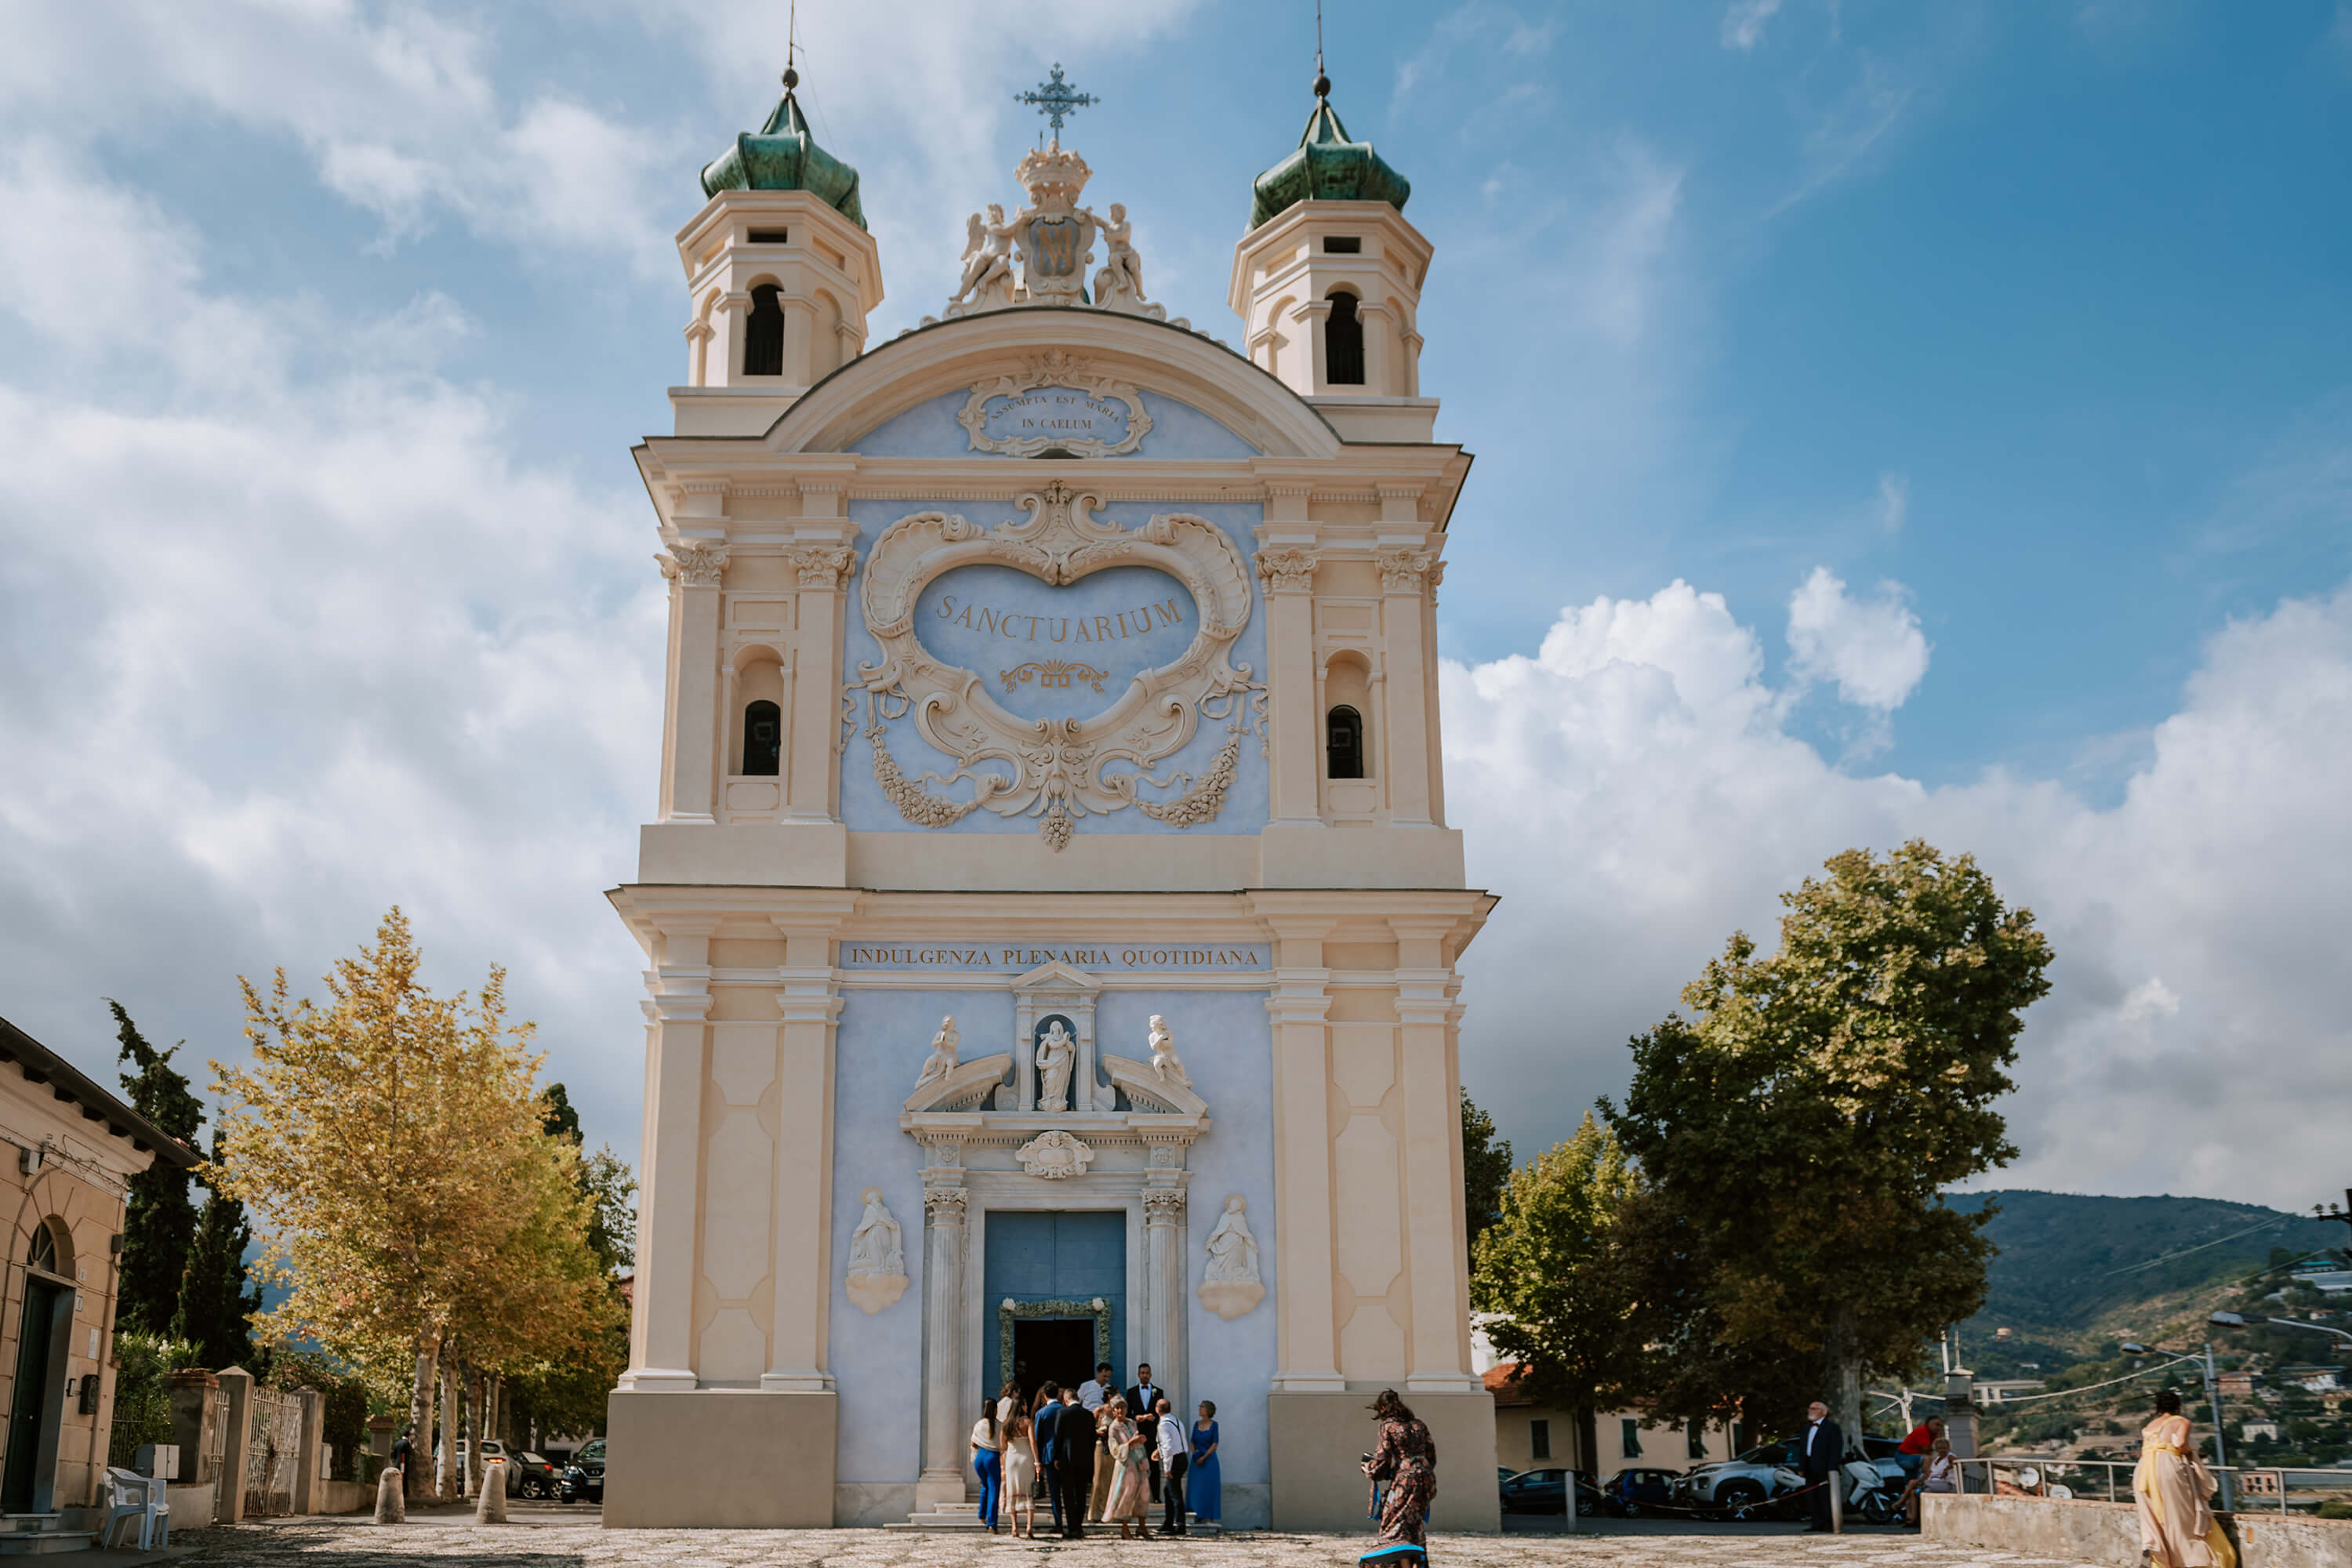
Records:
x=1163, y=1054
x=1123, y=273
x=942, y=1059
x=987, y=262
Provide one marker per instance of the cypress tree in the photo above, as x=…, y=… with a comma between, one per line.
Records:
x=217, y=1304
x=161, y=1219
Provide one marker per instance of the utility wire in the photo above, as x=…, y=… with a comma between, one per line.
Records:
x=2063, y=1393
x=2266, y=1224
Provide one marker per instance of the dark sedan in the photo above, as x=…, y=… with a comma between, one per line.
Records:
x=528, y=1475
x=1633, y=1492
x=1539, y=1492
x=583, y=1478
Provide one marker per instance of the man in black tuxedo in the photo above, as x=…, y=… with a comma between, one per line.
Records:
x=1141, y=1401
x=1819, y=1454
x=1049, y=1416
x=1074, y=1462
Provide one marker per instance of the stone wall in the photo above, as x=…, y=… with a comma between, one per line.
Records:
x=2108, y=1533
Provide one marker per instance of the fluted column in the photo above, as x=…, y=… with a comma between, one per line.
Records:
x=693, y=778
x=1163, y=1229
x=946, y=1421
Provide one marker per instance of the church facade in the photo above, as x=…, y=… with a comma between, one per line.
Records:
x=1051, y=923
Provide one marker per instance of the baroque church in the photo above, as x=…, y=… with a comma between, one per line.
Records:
x=1051, y=922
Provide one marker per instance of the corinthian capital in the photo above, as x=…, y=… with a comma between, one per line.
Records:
x=696, y=566
x=1286, y=570
x=822, y=565
x=1163, y=1206
x=1405, y=571
x=945, y=1205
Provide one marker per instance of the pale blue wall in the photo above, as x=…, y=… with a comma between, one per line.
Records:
x=866, y=809
x=1226, y=1043
x=930, y=430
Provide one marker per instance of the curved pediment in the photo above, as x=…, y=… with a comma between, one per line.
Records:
x=965, y=1088
x=1117, y=353
x=1147, y=1091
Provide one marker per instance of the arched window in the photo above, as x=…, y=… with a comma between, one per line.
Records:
x=763, y=336
x=1343, y=743
x=43, y=1252
x=763, y=738
x=1343, y=343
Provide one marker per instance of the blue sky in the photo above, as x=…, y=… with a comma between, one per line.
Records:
x=1978, y=371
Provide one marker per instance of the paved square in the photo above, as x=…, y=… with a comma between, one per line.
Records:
x=353, y=1544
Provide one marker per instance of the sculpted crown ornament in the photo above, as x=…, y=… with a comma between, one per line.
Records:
x=1051, y=242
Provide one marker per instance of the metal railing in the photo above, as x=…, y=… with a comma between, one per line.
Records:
x=2031, y=1475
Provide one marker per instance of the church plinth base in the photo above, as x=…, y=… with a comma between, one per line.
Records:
x=719, y=1459
x=1315, y=1441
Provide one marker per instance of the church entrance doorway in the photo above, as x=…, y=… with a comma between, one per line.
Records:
x=1058, y=1350
x=1056, y=1285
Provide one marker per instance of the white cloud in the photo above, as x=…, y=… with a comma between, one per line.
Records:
x=1893, y=501
x=289, y=635
x=1743, y=23
x=1632, y=796
x=1872, y=649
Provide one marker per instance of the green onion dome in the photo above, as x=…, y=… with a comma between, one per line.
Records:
x=783, y=156
x=1327, y=167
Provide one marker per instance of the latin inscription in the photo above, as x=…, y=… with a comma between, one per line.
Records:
x=1055, y=413
x=1016, y=959
x=1019, y=626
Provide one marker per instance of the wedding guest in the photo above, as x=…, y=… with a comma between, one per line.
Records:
x=1203, y=1483
x=1021, y=1475
x=2170, y=1488
x=1168, y=1440
x=1406, y=1459
x=988, y=1461
x=1131, y=1498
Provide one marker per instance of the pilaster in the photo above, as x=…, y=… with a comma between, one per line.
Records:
x=695, y=571
x=801, y=1276
x=1288, y=574
x=1408, y=753
x=1431, y=1146
x=677, y=1006
x=822, y=567
x=945, y=1419
x=1307, y=1333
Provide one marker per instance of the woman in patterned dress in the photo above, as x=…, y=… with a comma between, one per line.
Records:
x=1130, y=1490
x=1406, y=1459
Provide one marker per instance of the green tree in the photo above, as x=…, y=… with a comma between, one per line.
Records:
x=1547, y=1274
x=1485, y=1166
x=218, y=1296
x=160, y=1220
x=1803, y=1122
x=557, y=1119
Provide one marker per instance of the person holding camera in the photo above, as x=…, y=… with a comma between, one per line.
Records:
x=1406, y=1459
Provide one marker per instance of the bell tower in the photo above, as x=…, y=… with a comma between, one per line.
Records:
x=1328, y=283
x=781, y=272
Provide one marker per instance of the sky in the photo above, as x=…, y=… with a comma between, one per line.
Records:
x=1890, y=421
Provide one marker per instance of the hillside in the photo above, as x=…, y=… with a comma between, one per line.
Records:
x=2073, y=1271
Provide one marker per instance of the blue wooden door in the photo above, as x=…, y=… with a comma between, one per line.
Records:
x=1056, y=1256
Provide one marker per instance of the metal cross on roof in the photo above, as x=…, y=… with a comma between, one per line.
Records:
x=1056, y=97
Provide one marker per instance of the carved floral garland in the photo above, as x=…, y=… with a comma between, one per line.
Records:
x=1053, y=769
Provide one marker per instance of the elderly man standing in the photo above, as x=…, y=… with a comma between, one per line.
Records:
x=1819, y=1451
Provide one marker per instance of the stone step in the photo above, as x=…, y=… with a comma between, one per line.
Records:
x=36, y=1543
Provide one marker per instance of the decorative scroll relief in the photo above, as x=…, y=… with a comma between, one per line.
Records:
x=1056, y=402
x=1055, y=769
x=1049, y=243
x=1054, y=1157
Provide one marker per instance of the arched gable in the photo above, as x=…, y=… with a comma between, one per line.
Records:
x=952, y=357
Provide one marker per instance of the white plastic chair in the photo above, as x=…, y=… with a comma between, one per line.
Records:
x=128, y=1496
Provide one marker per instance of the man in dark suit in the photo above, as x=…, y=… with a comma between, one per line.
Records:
x=1141, y=1401
x=1074, y=1462
x=1819, y=1452
x=1049, y=1416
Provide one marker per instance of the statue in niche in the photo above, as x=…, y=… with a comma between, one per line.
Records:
x=877, y=1275
x=1123, y=273
x=987, y=264
x=1231, y=1287
x=1163, y=1054
x=1057, y=1057
x=942, y=1059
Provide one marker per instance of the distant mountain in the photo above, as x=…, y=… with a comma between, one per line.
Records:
x=2073, y=1271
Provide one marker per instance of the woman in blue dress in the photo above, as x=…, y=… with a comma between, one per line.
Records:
x=1201, y=1486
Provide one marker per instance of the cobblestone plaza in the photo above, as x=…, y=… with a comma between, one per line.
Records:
x=354, y=1545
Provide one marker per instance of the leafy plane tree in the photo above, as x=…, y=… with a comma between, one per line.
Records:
x=1804, y=1120
x=393, y=1145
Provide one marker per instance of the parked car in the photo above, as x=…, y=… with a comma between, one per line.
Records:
x=528, y=1475
x=585, y=1475
x=1630, y=1493
x=1540, y=1491
x=1741, y=1487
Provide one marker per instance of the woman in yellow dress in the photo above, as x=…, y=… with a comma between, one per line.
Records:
x=2176, y=1530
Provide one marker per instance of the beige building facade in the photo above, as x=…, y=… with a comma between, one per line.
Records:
x=1051, y=920
x=71, y=1148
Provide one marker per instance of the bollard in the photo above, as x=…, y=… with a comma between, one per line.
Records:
x=490, y=1507
x=391, y=1501
x=1836, y=1483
